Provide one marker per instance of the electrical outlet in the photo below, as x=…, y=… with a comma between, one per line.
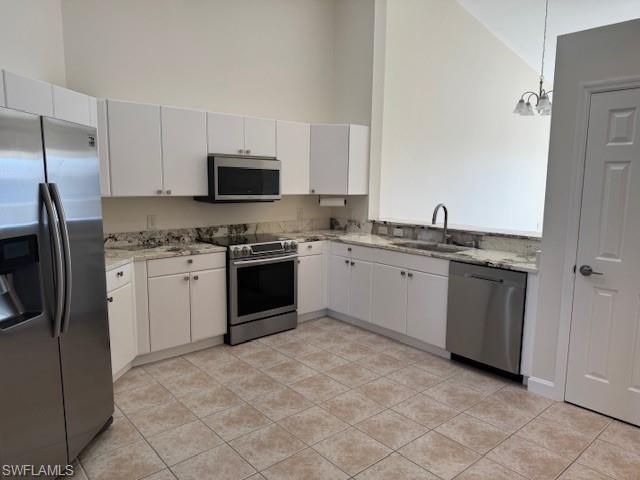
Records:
x=398, y=232
x=383, y=230
x=151, y=222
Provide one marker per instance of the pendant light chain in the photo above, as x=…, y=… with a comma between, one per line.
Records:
x=544, y=39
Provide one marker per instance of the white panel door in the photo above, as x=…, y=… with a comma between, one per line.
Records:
x=259, y=136
x=121, y=327
x=389, y=298
x=208, y=304
x=310, y=283
x=339, y=273
x=604, y=355
x=360, y=290
x=184, y=151
x=427, y=307
x=358, y=160
x=329, y=159
x=293, y=143
x=103, y=148
x=135, y=152
x=225, y=133
x=71, y=106
x=169, y=311
x=28, y=95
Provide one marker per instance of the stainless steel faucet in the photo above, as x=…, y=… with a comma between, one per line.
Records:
x=446, y=220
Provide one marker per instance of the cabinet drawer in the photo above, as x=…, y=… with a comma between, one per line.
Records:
x=185, y=264
x=118, y=277
x=353, y=251
x=311, y=248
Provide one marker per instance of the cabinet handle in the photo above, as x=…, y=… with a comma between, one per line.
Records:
x=313, y=190
x=347, y=262
x=410, y=275
x=109, y=299
x=298, y=261
x=349, y=249
x=186, y=278
x=119, y=274
x=195, y=277
x=309, y=247
x=241, y=151
x=190, y=260
x=353, y=263
x=403, y=273
x=169, y=192
x=247, y=152
x=159, y=192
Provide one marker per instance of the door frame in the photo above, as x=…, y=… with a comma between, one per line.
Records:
x=557, y=389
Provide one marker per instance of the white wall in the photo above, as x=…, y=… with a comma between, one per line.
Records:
x=31, y=39
x=600, y=54
x=448, y=134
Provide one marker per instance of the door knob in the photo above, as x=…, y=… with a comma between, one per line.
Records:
x=159, y=192
x=247, y=152
x=185, y=278
x=403, y=273
x=195, y=277
x=190, y=260
x=410, y=275
x=110, y=299
x=241, y=151
x=587, y=271
x=353, y=263
x=347, y=262
x=169, y=192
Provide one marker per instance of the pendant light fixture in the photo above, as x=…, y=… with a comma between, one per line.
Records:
x=543, y=102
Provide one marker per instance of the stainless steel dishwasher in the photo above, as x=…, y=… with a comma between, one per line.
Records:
x=485, y=315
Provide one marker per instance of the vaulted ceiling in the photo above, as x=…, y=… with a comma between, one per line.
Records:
x=519, y=23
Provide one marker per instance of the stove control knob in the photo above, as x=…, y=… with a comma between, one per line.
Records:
x=246, y=251
x=286, y=246
x=235, y=252
x=294, y=246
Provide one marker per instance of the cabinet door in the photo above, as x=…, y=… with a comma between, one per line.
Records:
x=427, y=307
x=184, y=151
x=329, y=159
x=310, y=283
x=71, y=106
x=28, y=95
x=339, y=273
x=225, y=133
x=358, y=160
x=169, y=312
x=360, y=290
x=121, y=327
x=3, y=102
x=293, y=142
x=208, y=304
x=390, y=297
x=260, y=136
x=103, y=148
x=134, y=149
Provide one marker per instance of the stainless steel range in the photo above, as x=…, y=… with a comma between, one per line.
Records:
x=262, y=279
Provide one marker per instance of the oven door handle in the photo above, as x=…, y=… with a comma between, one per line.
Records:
x=246, y=263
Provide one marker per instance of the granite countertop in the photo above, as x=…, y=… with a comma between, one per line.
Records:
x=491, y=258
x=116, y=257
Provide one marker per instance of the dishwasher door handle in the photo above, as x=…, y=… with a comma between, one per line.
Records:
x=487, y=279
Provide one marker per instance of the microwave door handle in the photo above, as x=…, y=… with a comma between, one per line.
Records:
x=55, y=193
x=246, y=263
x=57, y=260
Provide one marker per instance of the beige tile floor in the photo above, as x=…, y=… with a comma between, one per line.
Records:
x=329, y=401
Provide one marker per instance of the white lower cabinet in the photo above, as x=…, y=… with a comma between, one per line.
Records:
x=208, y=304
x=310, y=284
x=121, y=327
x=427, y=307
x=169, y=311
x=389, y=294
x=350, y=287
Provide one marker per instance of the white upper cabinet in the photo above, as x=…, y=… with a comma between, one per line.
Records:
x=339, y=159
x=3, y=103
x=28, y=95
x=103, y=148
x=293, y=142
x=135, y=151
x=71, y=106
x=259, y=137
x=225, y=133
x=184, y=151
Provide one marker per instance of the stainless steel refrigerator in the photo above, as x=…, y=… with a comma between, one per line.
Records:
x=56, y=390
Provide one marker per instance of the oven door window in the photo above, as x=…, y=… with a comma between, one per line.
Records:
x=248, y=181
x=265, y=287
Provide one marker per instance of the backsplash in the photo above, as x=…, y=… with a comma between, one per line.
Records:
x=154, y=238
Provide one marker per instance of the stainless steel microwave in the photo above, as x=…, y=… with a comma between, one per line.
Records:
x=242, y=179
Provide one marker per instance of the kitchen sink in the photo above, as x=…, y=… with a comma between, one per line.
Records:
x=431, y=247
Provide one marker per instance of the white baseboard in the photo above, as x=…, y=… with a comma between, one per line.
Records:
x=305, y=317
x=177, y=351
x=543, y=387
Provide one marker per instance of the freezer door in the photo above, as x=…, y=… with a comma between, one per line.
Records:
x=73, y=174
x=32, y=427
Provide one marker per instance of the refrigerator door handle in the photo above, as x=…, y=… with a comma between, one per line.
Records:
x=57, y=259
x=64, y=231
